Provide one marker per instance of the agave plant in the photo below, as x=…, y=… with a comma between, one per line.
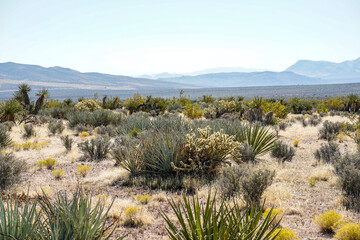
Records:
x=260, y=138
x=207, y=221
x=16, y=224
x=75, y=218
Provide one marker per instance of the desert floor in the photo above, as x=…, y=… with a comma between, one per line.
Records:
x=290, y=191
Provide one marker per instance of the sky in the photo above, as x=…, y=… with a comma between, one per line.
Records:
x=134, y=37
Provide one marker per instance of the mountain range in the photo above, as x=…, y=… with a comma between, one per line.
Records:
x=303, y=72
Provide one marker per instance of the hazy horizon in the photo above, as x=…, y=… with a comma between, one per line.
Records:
x=149, y=37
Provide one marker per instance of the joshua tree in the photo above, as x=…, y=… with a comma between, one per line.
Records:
x=23, y=95
x=40, y=102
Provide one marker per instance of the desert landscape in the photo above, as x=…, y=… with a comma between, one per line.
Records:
x=139, y=156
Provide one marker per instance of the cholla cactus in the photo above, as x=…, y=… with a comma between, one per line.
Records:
x=210, y=112
x=88, y=105
x=226, y=106
x=205, y=154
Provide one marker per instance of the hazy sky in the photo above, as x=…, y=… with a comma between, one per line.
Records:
x=136, y=37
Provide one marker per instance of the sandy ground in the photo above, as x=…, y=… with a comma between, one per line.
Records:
x=291, y=190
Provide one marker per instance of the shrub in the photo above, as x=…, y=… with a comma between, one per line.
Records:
x=67, y=142
x=88, y=105
x=247, y=153
x=10, y=170
x=94, y=119
x=277, y=214
x=229, y=181
x=132, y=216
x=95, y=149
x=276, y=107
x=5, y=139
x=340, y=137
x=328, y=153
x=211, y=221
x=58, y=173
x=83, y=170
x=193, y=111
x=106, y=130
x=49, y=163
x=56, y=127
x=285, y=234
x=9, y=110
x=314, y=120
x=206, y=153
x=132, y=104
x=329, y=130
x=143, y=199
x=28, y=130
x=348, y=231
x=296, y=143
x=254, y=183
x=283, y=152
x=349, y=181
x=328, y=221
x=258, y=137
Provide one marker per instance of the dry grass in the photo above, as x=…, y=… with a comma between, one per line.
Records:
x=290, y=191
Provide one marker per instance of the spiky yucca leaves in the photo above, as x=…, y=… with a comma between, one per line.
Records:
x=16, y=223
x=5, y=139
x=163, y=151
x=206, y=153
x=23, y=95
x=43, y=94
x=260, y=138
x=95, y=119
x=208, y=221
x=129, y=156
x=75, y=218
x=9, y=110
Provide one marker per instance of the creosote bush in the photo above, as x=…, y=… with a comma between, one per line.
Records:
x=328, y=153
x=330, y=130
x=282, y=152
x=10, y=170
x=95, y=149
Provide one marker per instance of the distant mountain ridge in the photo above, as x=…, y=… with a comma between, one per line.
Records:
x=236, y=79
x=327, y=70
x=58, y=77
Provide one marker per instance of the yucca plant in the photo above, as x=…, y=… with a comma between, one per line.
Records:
x=129, y=156
x=75, y=218
x=95, y=149
x=9, y=110
x=209, y=221
x=16, y=223
x=260, y=138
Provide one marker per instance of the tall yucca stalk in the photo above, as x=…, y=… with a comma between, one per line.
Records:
x=260, y=138
x=16, y=222
x=76, y=218
x=209, y=221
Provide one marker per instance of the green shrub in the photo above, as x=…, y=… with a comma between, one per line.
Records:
x=254, y=183
x=9, y=110
x=94, y=119
x=56, y=127
x=211, y=221
x=247, y=153
x=5, y=139
x=330, y=130
x=109, y=130
x=229, y=181
x=10, y=170
x=67, y=142
x=95, y=149
x=193, y=111
x=29, y=130
x=315, y=120
x=282, y=152
x=328, y=153
x=133, y=104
